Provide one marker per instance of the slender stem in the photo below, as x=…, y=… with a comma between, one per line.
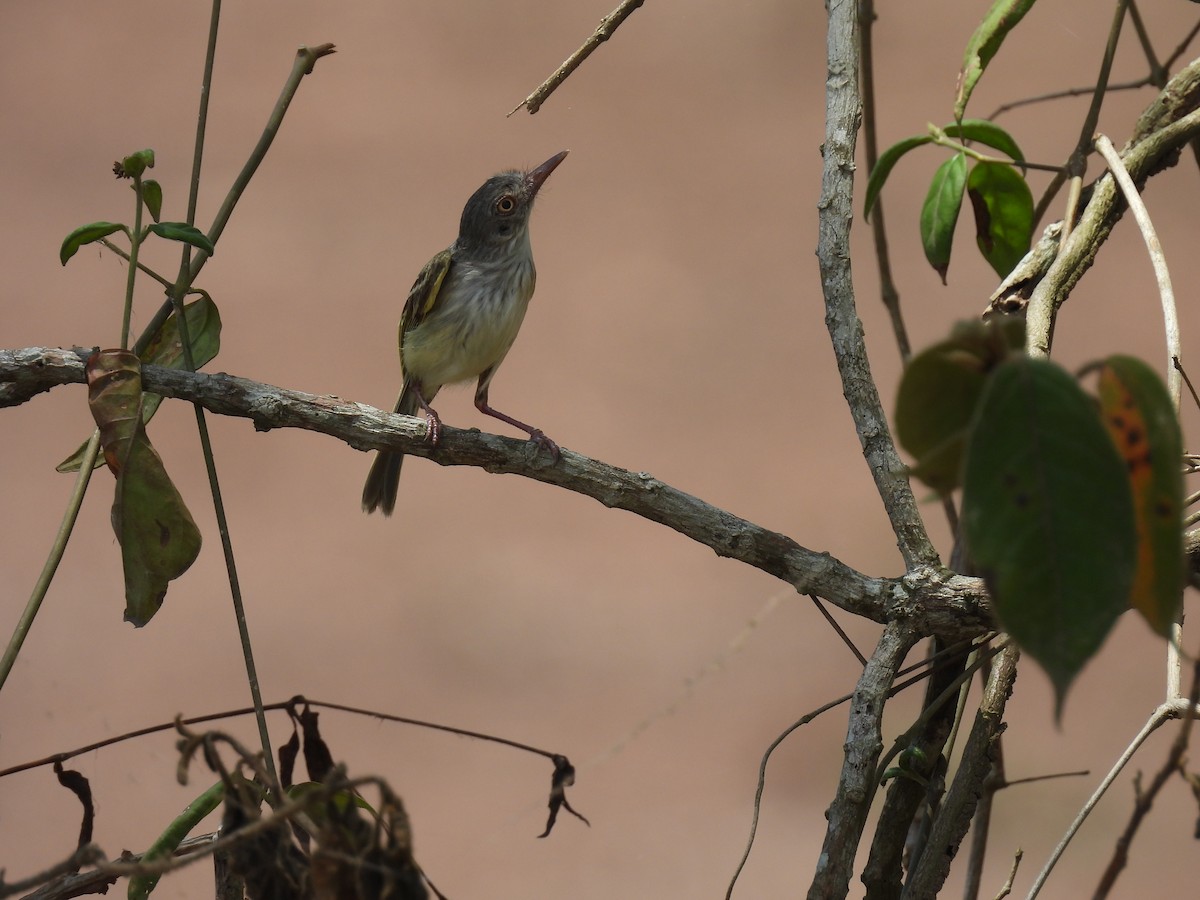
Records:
x=1156, y=720
x=603, y=32
x=306, y=58
x=177, y=293
x=56, y=554
x=135, y=243
x=889, y=294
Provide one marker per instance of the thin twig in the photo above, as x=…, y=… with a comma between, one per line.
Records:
x=1145, y=799
x=603, y=32
x=1158, y=260
x=841, y=632
x=1170, y=315
x=86, y=465
x=1006, y=889
x=1162, y=714
x=889, y=294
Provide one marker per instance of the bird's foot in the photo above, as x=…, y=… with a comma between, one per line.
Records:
x=539, y=438
x=433, y=428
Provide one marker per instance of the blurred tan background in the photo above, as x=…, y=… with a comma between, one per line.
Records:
x=677, y=329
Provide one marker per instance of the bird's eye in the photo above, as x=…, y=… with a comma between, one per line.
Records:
x=505, y=205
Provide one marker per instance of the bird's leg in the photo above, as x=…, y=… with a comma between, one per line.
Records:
x=535, y=434
x=433, y=422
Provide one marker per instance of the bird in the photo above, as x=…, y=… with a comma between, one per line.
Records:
x=463, y=313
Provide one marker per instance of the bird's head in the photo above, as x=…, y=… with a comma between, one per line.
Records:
x=497, y=215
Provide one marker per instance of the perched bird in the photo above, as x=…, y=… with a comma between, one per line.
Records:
x=463, y=313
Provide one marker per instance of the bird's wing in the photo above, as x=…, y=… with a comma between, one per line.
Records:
x=423, y=295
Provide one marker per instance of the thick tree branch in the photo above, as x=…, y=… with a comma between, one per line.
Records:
x=843, y=109
x=930, y=600
x=847, y=814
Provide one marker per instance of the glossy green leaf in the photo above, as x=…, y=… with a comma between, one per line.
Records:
x=999, y=21
x=938, y=394
x=166, y=349
x=1140, y=417
x=87, y=234
x=981, y=131
x=158, y=537
x=1048, y=515
x=184, y=233
x=141, y=886
x=1003, y=206
x=940, y=212
x=152, y=197
x=884, y=166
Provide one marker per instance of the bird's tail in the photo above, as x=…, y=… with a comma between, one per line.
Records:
x=383, y=481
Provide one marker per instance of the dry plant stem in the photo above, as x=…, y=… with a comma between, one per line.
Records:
x=1166, y=296
x=930, y=599
x=306, y=59
x=56, y=554
x=1145, y=799
x=1161, y=715
x=959, y=804
x=608, y=25
x=843, y=108
x=847, y=814
x=887, y=287
x=1158, y=260
x=176, y=298
x=281, y=705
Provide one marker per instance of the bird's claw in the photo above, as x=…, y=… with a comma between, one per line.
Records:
x=538, y=437
x=433, y=429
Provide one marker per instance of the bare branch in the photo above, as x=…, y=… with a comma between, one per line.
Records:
x=608, y=25
x=930, y=600
x=847, y=813
x=843, y=111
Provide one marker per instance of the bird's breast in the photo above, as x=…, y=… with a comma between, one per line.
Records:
x=475, y=320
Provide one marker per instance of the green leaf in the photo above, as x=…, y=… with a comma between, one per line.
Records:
x=158, y=537
x=940, y=212
x=1003, y=208
x=883, y=168
x=981, y=131
x=166, y=349
x=1048, y=515
x=939, y=392
x=999, y=21
x=1140, y=418
x=87, y=234
x=152, y=197
x=185, y=233
x=140, y=886
x=135, y=164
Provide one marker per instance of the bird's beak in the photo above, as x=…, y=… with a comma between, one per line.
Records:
x=535, y=177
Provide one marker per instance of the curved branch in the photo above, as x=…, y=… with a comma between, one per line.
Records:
x=1162, y=131
x=931, y=600
x=843, y=110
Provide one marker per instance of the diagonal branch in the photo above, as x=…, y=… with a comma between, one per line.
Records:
x=930, y=600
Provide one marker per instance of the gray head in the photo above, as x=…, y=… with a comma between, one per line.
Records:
x=495, y=220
